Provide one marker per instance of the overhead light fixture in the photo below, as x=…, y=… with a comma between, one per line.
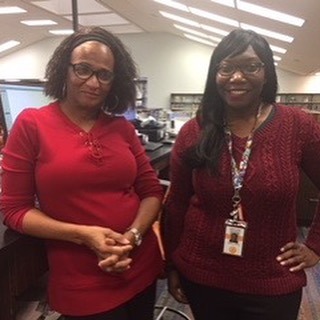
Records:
x=268, y=33
x=33, y=23
x=179, y=19
x=62, y=32
x=214, y=17
x=214, y=30
x=278, y=49
x=197, y=33
x=268, y=13
x=173, y=4
x=11, y=10
x=277, y=58
x=8, y=45
x=215, y=39
x=228, y=3
x=191, y=37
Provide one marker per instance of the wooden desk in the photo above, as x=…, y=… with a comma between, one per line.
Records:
x=22, y=262
x=160, y=159
x=23, y=258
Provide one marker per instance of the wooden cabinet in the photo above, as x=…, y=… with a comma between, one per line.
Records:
x=309, y=101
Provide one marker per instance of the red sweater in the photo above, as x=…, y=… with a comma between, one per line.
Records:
x=199, y=204
x=95, y=178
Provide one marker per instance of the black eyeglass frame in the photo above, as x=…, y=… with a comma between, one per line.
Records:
x=96, y=73
x=241, y=68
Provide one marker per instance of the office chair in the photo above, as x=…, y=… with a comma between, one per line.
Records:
x=156, y=227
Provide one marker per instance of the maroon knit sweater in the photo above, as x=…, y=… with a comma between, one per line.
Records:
x=198, y=205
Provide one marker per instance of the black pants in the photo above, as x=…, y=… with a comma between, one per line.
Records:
x=140, y=307
x=209, y=303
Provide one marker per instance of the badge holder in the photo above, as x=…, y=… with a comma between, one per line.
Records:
x=234, y=237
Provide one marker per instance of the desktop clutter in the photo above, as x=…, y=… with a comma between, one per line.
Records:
x=152, y=133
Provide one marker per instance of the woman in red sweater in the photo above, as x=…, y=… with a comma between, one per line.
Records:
x=98, y=194
x=230, y=225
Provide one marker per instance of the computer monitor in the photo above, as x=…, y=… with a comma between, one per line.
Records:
x=16, y=97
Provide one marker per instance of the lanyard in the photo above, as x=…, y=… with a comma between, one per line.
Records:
x=238, y=172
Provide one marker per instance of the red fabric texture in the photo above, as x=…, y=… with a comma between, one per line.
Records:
x=96, y=178
x=198, y=205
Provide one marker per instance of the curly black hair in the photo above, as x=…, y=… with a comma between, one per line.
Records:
x=122, y=94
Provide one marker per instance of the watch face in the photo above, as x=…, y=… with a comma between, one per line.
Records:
x=137, y=236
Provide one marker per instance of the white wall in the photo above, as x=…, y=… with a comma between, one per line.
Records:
x=171, y=64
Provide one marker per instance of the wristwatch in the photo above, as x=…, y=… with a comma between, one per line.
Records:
x=137, y=236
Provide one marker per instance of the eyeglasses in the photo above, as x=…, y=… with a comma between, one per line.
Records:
x=84, y=72
x=249, y=69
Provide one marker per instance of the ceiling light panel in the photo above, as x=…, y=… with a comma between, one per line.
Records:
x=179, y=19
x=214, y=30
x=11, y=10
x=61, y=32
x=268, y=33
x=214, y=17
x=8, y=45
x=35, y=23
x=278, y=49
x=228, y=3
x=188, y=30
x=191, y=37
x=268, y=13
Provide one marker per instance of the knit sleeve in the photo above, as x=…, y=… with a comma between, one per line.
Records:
x=18, y=182
x=147, y=183
x=181, y=189
x=311, y=166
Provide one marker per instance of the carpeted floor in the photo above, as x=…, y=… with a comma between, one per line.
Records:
x=310, y=306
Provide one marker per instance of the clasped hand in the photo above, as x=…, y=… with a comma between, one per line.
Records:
x=112, y=248
x=297, y=256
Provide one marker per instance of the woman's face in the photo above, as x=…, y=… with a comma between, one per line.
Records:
x=90, y=75
x=240, y=80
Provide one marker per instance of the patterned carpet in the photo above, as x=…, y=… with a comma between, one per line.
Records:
x=310, y=306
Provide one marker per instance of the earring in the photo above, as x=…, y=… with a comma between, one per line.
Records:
x=114, y=107
x=64, y=90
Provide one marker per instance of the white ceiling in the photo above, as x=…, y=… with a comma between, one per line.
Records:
x=129, y=16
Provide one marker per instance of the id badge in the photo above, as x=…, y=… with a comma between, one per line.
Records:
x=234, y=237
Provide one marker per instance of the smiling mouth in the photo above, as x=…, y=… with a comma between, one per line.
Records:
x=237, y=91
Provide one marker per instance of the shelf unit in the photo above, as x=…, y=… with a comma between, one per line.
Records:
x=309, y=101
x=185, y=102
x=142, y=92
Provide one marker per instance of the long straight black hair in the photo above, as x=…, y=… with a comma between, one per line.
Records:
x=211, y=113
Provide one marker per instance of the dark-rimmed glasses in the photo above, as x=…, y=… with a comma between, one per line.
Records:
x=85, y=72
x=248, y=69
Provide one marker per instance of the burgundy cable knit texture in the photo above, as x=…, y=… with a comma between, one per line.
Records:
x=198, y=205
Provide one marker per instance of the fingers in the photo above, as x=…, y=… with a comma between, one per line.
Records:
x=114, y=263
x=297, y=256
x=118, y=237
x=175, y=289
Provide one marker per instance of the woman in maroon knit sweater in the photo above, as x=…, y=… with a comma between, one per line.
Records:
x=230, y=224
x=97, y=191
